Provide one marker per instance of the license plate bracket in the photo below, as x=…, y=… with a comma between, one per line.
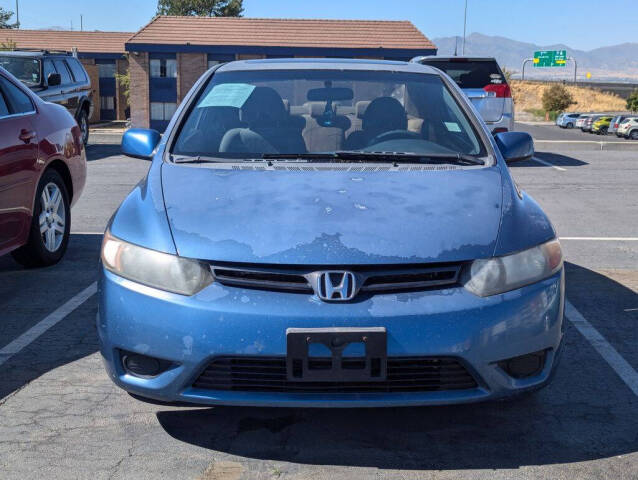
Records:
x=300, y=367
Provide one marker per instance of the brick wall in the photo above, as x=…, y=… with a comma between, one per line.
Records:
x=140, y=107
x=94, y=75
x=120, y=102
x=190, y=66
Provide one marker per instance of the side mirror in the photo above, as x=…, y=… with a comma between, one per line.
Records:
x=515, y=146
x=140, y=142
x=54, y=79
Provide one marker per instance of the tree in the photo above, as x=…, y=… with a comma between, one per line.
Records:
x=5, y=15
x=632, y=102
x=124, y=80
x=8, y=44
x=557, y=99
x=201, y=8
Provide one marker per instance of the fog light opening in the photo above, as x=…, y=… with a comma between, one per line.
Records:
x=525, y=365
x=143, y=365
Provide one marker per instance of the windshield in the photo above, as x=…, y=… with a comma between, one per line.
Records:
x=248, y=114
x=26, y=70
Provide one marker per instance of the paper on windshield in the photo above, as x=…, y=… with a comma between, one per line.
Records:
x=227, y=95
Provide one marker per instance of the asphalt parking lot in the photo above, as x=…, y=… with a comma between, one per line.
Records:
x=61, y=417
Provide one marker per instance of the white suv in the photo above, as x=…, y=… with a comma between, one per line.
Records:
x=483, y=81
x=628, y=128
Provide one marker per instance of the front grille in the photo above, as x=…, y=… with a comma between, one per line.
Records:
x=268, y=374
x=370, y=278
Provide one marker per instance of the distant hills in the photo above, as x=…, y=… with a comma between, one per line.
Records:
x=615, y=63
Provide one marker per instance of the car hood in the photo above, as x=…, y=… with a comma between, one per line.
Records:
x=332, y=217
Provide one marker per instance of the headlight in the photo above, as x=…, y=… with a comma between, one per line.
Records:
x=155, y=269
x=501, y=274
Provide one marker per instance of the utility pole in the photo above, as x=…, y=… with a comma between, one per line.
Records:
x=464, y=25
x=81, y=24
x=17, y=24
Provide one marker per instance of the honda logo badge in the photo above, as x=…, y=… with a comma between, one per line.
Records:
x=336, y=286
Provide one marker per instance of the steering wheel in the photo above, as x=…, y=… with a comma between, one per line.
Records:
x=395, y=135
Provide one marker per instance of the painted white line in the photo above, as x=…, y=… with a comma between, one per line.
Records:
x=548, y=164
x=602, y=239
x=47, y=322
x=625, y=371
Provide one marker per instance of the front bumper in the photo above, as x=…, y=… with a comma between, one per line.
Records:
x=220, y=320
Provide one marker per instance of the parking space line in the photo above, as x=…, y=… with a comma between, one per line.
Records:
x=46, y=323
x=625, y=371
x=602, y=239
x=548, y=164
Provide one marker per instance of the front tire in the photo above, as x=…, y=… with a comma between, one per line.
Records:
x=50, y=225
x=634, y=135
x=83, y=123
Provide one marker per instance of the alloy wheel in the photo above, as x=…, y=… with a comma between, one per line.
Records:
x=52, y=218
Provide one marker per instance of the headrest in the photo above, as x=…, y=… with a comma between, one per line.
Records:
x=361, y=107
x=384, y=114
x=264, y=107
x=315, y=109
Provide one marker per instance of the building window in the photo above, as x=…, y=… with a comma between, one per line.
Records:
x=162, y=110
x=106, y=70
x=163, y=68
x=212, y=63
x=107, y=103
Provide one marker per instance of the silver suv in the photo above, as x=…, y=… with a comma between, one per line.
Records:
x=483, y=81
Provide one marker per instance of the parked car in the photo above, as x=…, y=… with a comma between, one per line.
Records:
x=601, y=125
x=567, y=120
x=615, y=123
x=580, y=121
x=282, y=252
x=628, y=128
x=483, y=81
x=57, y=78
x=42, y=174
x=589, y=122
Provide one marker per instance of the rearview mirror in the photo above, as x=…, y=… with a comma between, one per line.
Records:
x=515, y=146
x=54, y=79
x=140, y=142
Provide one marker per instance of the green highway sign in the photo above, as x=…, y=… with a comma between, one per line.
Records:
x=550, y=58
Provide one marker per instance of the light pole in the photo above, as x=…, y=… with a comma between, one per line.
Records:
x=464, y=25
x=17, y=24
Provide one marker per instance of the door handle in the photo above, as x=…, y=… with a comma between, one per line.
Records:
x=26, y=135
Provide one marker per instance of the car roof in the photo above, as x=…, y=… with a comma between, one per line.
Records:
x=34, y=53
x=458, y=57
x=326, y=64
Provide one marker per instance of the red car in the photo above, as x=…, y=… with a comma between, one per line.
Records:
x=42, y=174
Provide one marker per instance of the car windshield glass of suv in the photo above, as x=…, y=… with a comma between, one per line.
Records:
x=26, y=70
x=249, y=114
x=470, y=73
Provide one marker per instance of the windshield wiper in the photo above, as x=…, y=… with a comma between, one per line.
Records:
x=193, y=159
x=391, y=157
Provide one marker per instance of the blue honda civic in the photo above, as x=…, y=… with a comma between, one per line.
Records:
x=329, y=233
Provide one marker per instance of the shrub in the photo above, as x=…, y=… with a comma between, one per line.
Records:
x=557, y=99
x=632, y=102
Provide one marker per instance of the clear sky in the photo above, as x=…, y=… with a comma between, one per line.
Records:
x=581, y=24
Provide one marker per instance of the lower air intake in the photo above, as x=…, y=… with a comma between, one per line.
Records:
x=268, y=374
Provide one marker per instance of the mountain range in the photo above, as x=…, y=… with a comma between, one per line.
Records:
x=614, y=63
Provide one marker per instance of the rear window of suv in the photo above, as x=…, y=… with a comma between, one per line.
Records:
x=470, y=73
x=77, y=70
